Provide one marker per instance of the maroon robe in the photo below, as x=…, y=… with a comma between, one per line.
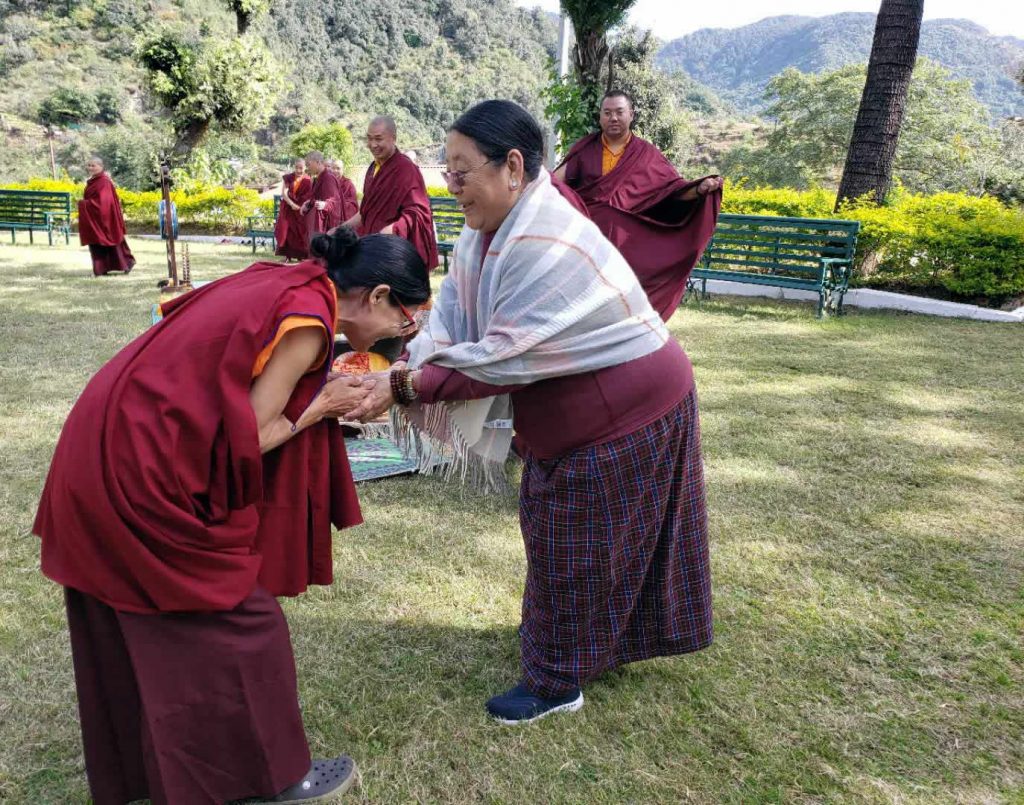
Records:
x=638, y=207
x=326, y=188
x=290, y=231
x=397, y=196
x=158, y=499
x=101, y=227
x=349, y=198
x=172, y=534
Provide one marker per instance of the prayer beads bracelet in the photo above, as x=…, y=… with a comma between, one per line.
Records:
x=402, y=388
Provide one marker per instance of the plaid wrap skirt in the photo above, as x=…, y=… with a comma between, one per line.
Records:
x=617, y=554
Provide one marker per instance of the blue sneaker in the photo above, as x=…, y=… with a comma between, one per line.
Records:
x=519, y=706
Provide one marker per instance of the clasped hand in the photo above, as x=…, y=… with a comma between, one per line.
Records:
x=343, y=393
x=710, y=185
x=376, y=401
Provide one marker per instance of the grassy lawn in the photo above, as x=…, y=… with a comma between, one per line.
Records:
x=867, y=507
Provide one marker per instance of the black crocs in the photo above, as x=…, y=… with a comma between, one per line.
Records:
x=327, y=778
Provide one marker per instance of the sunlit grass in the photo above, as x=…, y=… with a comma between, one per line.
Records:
x=866, y=497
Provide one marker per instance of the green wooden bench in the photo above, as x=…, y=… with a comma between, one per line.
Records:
x=261, y=228
x=36, y=211
x=805, y=253
x=448, y=223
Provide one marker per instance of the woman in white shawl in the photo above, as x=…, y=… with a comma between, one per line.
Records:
x=542, y=328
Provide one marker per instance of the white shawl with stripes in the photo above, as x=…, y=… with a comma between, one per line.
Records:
x=553, y=298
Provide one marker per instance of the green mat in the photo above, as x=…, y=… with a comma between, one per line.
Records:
x=376, y=458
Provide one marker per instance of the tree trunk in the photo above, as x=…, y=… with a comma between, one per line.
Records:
x=876, y=133
x=588, y=59
x=242, y=20
x=187, y=139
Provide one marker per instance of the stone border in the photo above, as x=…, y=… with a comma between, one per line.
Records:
x=874, y=300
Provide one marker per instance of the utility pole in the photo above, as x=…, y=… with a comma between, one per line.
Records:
x=565, y=35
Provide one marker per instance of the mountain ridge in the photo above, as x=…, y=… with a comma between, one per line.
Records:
x=737, y=63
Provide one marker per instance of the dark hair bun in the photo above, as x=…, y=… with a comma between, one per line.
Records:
x=334, y=246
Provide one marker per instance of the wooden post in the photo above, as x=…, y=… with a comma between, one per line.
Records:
x=172, y=262
x=53, y=161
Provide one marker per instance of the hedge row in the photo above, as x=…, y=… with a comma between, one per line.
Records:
x=207, y=207
x=949, y=244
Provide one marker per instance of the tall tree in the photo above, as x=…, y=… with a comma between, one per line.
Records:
x=876, y=133
x=230, y=86
x=591, y=21
x=247, y=12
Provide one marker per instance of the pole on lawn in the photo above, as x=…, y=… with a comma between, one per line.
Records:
x=172, y=262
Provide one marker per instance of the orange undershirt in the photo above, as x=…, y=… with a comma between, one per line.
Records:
x=290, y=323
x=609, y=158
x=378, y=165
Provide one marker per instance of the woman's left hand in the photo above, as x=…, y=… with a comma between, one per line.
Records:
x=376, y=402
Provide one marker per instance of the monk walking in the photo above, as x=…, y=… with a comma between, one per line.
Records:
x=659, y=221
x=101, y=223
x=395, y=200
x=290, y=231
x=323, y=209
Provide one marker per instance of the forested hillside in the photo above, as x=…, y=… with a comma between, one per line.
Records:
x=423, y=61
x=739, y=62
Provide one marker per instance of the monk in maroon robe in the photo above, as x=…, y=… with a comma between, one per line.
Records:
x=101, y=223
x=323, y=209
x=290, y=230
x=659, y=221
x=349, y=199
x=197, y=477
x=395, y=200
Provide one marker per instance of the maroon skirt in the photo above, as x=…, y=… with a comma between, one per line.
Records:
x=111, y=258
x=189, y=708
x=617, y=554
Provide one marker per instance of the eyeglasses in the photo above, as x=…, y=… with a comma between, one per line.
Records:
x=458, y=178
x=409, y=320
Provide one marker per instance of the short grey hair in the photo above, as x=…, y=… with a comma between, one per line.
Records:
x=315, y=156
x=388, y=122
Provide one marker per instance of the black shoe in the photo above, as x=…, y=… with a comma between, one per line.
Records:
x=519, y=706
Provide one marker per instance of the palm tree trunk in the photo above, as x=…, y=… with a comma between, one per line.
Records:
x=876, y=133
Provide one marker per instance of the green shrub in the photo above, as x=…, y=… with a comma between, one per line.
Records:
x=972, y=248
x=947, y=244
x=203, y=206
x=67, y=107
x=333, y=140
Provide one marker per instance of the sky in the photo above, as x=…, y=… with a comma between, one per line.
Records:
x=673, y=18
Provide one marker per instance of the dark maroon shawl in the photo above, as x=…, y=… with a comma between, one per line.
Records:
x=348, y=199
x=100, y=219
x=397, y=196
x=637, y=206
x=158, y=499
x=326, y=188
x=290, y=231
